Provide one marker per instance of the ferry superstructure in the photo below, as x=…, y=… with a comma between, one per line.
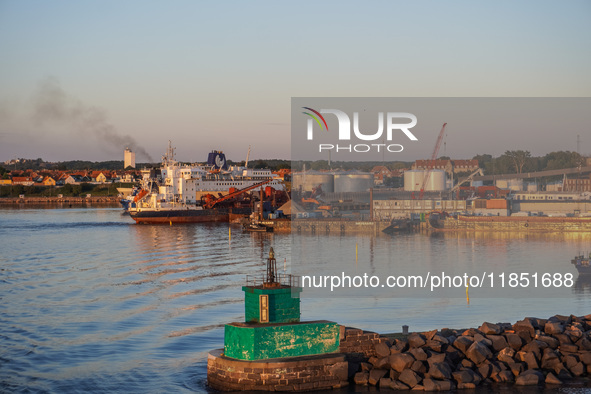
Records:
x=188, y=183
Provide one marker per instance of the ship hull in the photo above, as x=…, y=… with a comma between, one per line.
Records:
x=583, y=265
x=182, y=216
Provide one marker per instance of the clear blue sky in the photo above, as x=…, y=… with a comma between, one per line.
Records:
x=220, y=75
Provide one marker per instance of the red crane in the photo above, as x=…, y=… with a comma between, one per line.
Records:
x=431, y=162
x=210, y=201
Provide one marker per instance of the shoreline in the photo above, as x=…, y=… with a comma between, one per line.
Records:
x=58, y=200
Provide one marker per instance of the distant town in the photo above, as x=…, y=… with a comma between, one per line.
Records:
x=512, y=192
x=35, y=177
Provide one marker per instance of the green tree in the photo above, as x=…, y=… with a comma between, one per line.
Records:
x=518, y=158
x=66, y=189
x=483, y=160
x=400, y=165
x=18, y=189
x=319, y=165
x=561, y=159
x=85, y=187
x=498, y=165
x=261, y=164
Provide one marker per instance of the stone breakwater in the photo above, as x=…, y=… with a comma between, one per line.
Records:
x=530, y=352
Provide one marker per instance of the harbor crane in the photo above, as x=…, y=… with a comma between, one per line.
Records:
x=431, y=163
x=467, y=179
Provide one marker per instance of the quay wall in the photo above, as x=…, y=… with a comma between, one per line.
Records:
x=59, y=200
x=327, y=226
x=516, y=224
x=550, y=206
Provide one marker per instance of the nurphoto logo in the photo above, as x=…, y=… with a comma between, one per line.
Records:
x=393, y=124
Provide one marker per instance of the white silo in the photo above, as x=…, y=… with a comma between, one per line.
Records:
x=436, y=181
x=311, y=179
x=353, y=182
x=413, y=179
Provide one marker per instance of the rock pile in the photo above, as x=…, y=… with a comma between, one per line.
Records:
x=530, y=352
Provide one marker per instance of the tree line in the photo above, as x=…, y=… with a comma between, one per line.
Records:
x=520, y=161
x=510, y=162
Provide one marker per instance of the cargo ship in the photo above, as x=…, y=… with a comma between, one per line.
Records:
x=582, y=264
x=184, y=213
x=198, y=193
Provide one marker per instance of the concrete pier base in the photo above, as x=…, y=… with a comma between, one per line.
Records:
x=294, y=374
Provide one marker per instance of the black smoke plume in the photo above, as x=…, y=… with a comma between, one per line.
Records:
x=51, y=104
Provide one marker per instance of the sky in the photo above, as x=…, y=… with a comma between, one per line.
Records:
x=82, y=80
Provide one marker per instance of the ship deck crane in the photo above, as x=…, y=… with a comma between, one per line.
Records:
x=210, y=203
x=431, y=162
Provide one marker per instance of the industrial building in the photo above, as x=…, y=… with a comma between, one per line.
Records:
x=395, y=209
x=577, y=185
x=449, y=166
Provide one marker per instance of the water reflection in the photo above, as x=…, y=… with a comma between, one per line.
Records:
x=582, y=285
x=508, y=235
x=94, y=302
x=493, y=258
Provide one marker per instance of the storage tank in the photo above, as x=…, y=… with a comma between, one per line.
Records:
x=436, y=181
x=353, y=182
x=413, y=180
x=311, y=179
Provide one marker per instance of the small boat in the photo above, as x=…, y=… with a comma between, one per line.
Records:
x=257, y=227
x=399, y=226
x=582, y=264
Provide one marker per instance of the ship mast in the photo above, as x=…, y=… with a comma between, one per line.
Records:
x=168, y=158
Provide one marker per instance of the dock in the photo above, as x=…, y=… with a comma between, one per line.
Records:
x=327, y=226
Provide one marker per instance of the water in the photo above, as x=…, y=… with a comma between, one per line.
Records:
x=91, y=302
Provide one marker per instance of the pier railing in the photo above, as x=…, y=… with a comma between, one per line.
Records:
x=283, y=279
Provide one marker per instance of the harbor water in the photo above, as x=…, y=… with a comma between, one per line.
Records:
x=92, y=302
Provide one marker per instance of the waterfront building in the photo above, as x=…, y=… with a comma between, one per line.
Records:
x=449, y=166
x=48, y=181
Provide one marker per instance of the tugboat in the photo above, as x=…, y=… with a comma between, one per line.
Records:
x=256, y=227
x=582, y=264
